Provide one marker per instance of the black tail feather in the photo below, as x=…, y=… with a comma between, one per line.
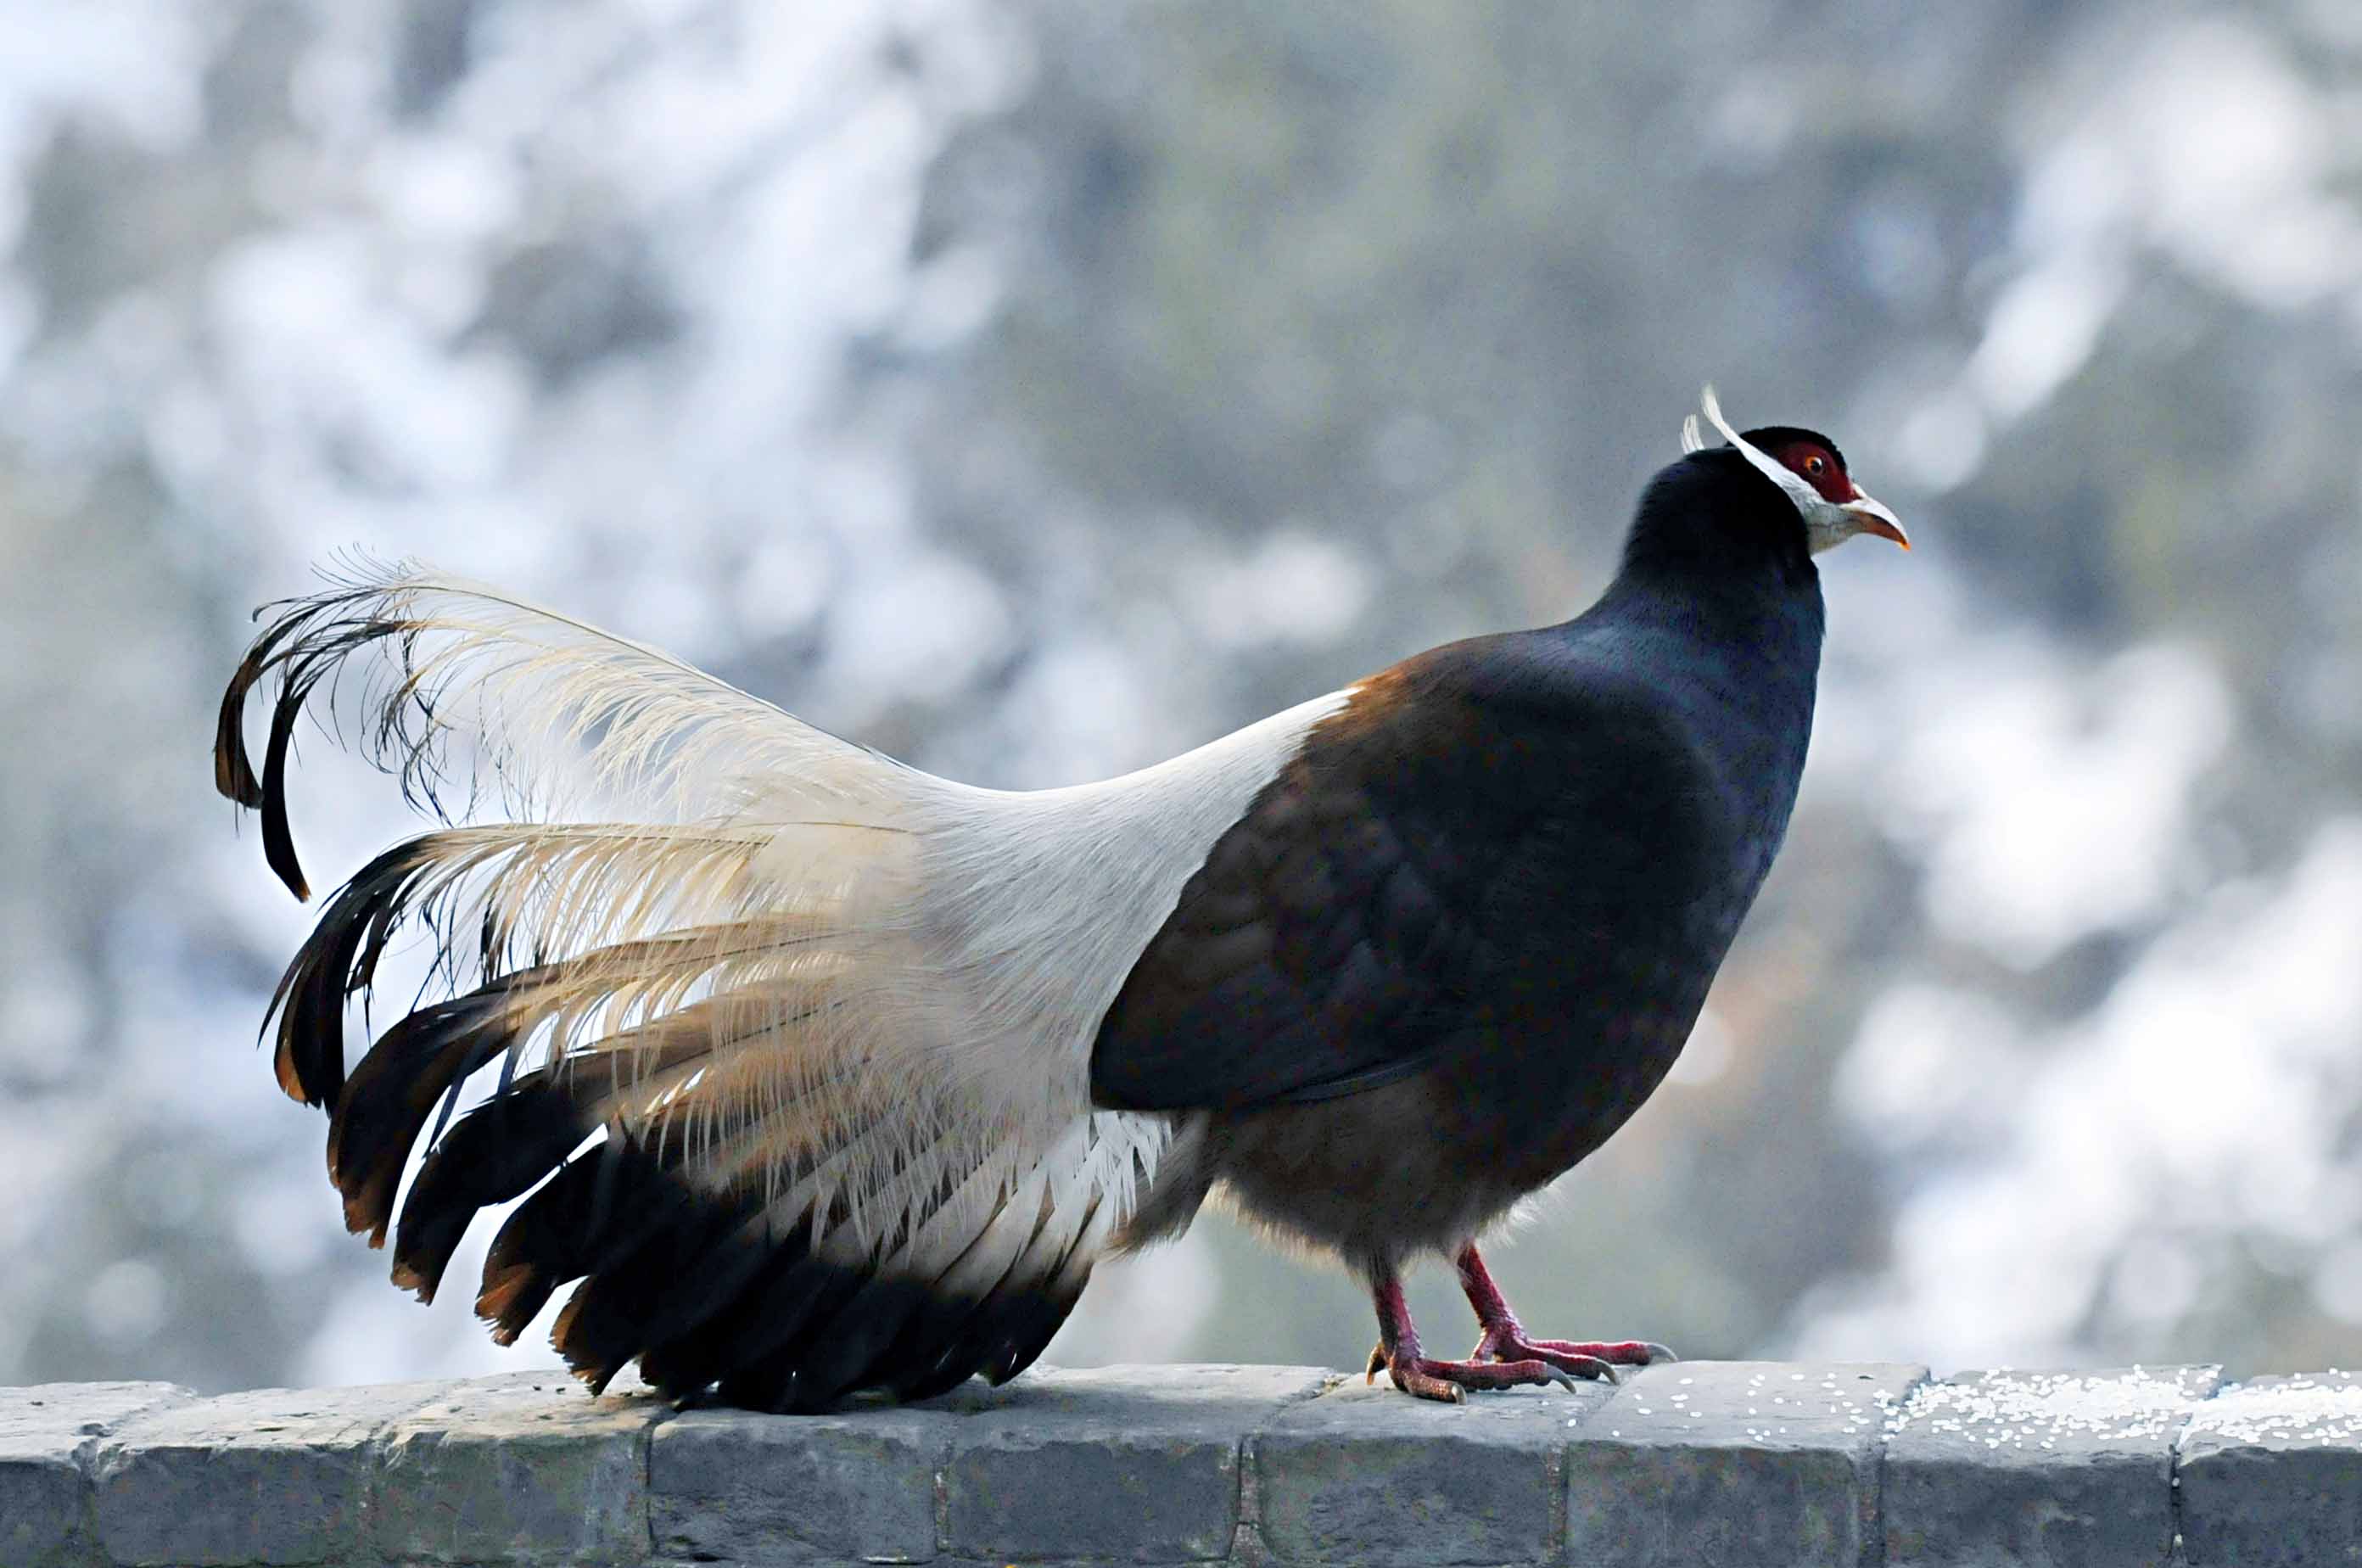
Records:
x=306, y=646
x=686, y=1279
x=338, y=960
x=539, y=1248
x=947, y=1373
x=848, y=1351
x=1033, y=1319
x=723, y=1300
x=702, y=1284
x=1017, y=1318
x=277, y=839
x=233, y=770
x=385, y=1105
x=491, y=1155
x=608, y=1321
x=689, y=1333
x=775, y=1330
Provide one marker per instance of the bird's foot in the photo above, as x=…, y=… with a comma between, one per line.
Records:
x=1450, y=1380
x=1507, y=1343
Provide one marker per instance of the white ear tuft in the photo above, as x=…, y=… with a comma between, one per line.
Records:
x=1691, y=440
x=1713, y=406
x=1808, y=500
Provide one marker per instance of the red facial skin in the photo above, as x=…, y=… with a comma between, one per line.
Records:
x=1819, y=467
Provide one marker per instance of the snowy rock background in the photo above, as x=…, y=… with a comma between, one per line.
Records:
x=1035, y=388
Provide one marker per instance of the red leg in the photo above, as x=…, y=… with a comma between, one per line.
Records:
x=1398, y=1352
x=1504, y=1340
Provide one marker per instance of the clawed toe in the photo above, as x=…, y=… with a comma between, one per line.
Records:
x=1616, y=1352
x=1574, y=1364
x=1450, y=1381
x=1419, y=1383
x=1593, y=1359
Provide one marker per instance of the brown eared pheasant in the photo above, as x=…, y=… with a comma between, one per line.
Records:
x=822, y=1074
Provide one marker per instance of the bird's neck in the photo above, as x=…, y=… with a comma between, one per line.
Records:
x=1769, y=622
x=1740, y=658
x=1712, y=525
x=1717, y=583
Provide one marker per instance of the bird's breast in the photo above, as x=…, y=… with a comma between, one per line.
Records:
x=1593, y=1007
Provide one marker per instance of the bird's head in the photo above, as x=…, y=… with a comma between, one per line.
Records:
x=1811, y=471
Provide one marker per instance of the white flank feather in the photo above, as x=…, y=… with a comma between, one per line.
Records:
x=865, y=991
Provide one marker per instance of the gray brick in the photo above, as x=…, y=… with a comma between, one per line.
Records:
x=273, y=1475
x=1753, y=1463
x=1697, y=1463
x=1366, y=1474
x=524, y=1468
x=737, y=1486
x=1124, y=1464
x=2270, y=1472
x=47, y=1434
x=2055, y=1469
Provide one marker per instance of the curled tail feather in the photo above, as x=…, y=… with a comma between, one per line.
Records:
x=734, y=1096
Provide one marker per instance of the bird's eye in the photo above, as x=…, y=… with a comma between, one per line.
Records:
x=1814, y=466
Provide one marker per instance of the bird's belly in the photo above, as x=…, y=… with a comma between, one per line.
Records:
x=1568, y=1045
x=1427, y=1162
x=1407, y=1167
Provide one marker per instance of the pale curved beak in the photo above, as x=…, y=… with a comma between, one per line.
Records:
x=1876, y=518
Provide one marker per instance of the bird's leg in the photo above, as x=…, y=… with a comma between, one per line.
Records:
x=1504, y=1340
x=1398, y=1352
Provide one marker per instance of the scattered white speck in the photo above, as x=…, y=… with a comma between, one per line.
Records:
x=2136, y=1407
x=2299, y=1411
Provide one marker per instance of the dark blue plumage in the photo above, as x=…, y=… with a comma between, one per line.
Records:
x=1465, y=932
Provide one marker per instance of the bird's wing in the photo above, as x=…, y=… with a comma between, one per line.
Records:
x=793, y=1039
x=1361, y=912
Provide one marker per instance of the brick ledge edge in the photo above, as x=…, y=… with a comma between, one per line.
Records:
x=1698, y=1462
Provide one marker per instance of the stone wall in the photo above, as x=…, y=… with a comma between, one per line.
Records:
x=1701, y=1463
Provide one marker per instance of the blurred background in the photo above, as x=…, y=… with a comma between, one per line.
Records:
x=1038, y=388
